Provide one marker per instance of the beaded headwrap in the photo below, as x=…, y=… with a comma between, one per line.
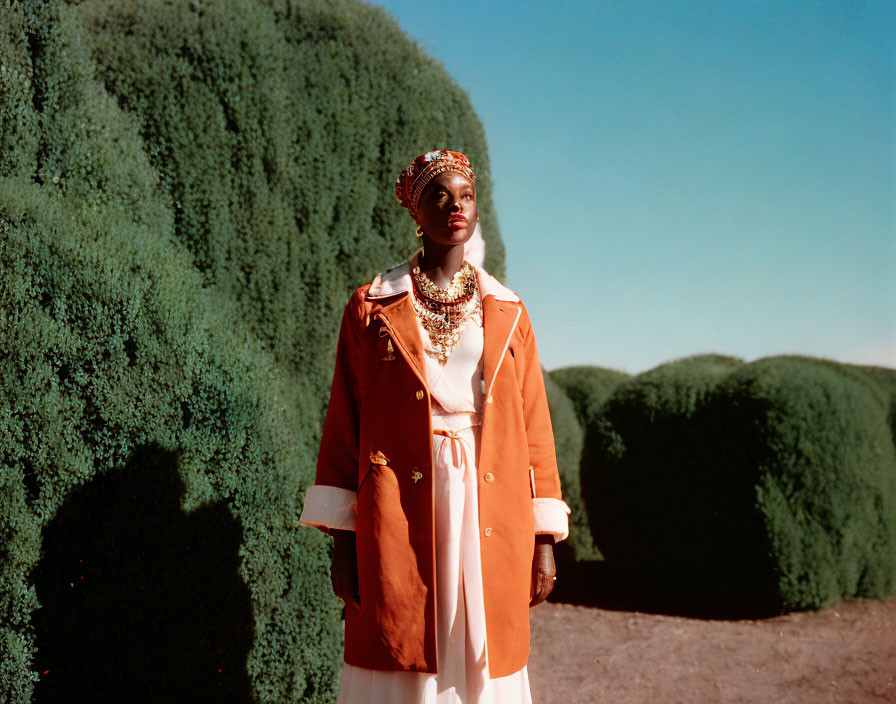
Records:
x=425, y=168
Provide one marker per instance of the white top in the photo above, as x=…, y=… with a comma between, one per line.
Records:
x=457, y=386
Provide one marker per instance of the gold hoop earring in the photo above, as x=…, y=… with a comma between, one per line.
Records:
x=419, y=230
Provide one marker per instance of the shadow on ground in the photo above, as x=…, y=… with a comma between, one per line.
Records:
x=604, y=585
x=139, y=601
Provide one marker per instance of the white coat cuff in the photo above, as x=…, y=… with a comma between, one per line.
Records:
x=551, y=517
x=329, y=507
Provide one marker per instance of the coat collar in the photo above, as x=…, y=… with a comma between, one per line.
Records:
x=398, y=279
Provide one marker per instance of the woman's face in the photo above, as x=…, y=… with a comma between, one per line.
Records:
x=447, y=209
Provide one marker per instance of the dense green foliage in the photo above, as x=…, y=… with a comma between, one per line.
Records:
x=116, y=356
x=885, y=379
x=769, y=485
x=586, y=389
x=568, y=438
x=188, y=194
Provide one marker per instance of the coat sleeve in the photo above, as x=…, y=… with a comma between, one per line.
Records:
x=551, y=511
x=330, y=501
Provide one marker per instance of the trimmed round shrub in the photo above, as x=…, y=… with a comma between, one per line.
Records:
x=815, y=433
x=189, y=192
x=747, y=487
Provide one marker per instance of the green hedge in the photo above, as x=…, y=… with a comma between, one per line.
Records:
x=188, y=194
x=885, y=378
x=588, y=388
x=767, y=486
x=581, y=391
x=568, y=439
x=274, y=132
x=118, y=360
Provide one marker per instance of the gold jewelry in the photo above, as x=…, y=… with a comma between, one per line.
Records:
x=461, y=286
x=419, y=230
x=444, y=312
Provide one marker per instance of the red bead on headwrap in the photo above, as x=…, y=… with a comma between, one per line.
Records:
x=425, y=168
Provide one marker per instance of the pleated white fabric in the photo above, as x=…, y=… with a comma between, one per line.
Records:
x=463, y=676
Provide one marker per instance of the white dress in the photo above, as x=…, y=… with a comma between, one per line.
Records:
x=463, y=675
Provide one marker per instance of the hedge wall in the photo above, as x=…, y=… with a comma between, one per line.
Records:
x=885, y=379
x=568, y=439
x=588, y=388
x=766, y=486
x=188, y=194
x=582, y=390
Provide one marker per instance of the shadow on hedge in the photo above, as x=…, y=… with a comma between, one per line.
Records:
x=140, y=601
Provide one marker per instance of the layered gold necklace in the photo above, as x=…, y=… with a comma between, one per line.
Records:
x=444, y=311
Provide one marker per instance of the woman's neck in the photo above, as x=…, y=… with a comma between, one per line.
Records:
x=441, y=262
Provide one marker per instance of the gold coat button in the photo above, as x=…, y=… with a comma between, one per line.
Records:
x=419, y=394
x=488, y=531
x=489, y=477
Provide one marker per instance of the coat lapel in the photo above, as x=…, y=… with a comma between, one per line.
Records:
x=499, y=319
x=400, y=316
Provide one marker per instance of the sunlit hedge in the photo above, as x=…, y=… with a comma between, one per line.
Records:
x=188, y=194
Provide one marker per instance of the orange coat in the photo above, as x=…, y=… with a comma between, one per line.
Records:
x=377, y=441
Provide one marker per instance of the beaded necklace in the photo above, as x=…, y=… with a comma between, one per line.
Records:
x=444, y=311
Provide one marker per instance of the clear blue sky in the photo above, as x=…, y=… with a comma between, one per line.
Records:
x=675, y=178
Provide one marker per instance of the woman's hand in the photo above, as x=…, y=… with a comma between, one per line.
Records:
x=544, y=570
x=344, y=568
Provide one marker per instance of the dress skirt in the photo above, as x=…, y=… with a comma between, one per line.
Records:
x=460, y=629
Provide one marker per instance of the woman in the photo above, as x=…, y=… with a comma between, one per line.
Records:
x=436, y=474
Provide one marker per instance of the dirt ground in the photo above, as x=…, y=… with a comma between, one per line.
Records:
x=845, y=654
